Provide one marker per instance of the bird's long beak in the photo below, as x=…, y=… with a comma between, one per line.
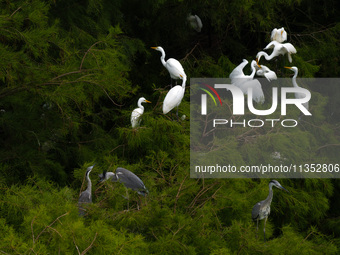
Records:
x=257, y=62
x=284, y=189
x=147, y=101
x=282, y=32
x=155, y=48
x=288, y=67
x=181, y=76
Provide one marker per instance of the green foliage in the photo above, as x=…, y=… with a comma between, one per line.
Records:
x=72, y=72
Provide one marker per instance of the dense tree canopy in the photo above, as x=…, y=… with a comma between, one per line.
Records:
x=71, y=72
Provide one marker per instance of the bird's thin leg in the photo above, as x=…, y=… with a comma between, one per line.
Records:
x=177, y=114
x=170, y=83
x=264, y=229
x=257, y=227
x=127, y=195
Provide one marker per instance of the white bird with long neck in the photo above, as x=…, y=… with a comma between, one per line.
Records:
x=238, y=75
x=138, y=112
x=278, y=49
x=174, y=97
x=173, y=66
x=262, y=70
x=195, y=22
x=261, y=210
x=297, y=95
x=279, y=35
x=242, y=81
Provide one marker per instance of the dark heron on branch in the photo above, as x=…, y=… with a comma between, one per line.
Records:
x=262, y=209
x=86, y=196
x=129, y=179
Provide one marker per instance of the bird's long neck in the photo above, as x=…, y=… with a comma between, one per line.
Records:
x=89, y=183
x=140, y=106
x=264, y=54
x=184, y=80
x=294, y=80
x=111, y=175
x=270, y=195
x=163, y=57
x=253, y=70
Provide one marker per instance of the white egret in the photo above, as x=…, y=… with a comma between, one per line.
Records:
x=195, y=22
x=174, y=97
x=279, y=35
x=242, y=81
x=173, y=66
x=238, y=75
x=138, y=112
x=262, y=70
x=297, y=95
x=279, y=49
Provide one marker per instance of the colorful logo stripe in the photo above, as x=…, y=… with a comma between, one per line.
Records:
x=213, y=90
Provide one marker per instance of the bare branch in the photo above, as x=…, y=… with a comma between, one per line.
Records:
x=88, y=248
x=82, y=61
x=49, y=226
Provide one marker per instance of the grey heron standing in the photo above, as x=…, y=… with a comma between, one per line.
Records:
x=129, y=179
x=86, y=196
x=261, y=209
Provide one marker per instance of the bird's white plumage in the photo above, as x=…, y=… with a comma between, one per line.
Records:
x=238, y=73
x=138, y=112
x=279, y=35
x=174, y=97
x=297, y=95
x=278, y=49
x=264, y=71
x=195, y=22
x=173, y=66
x=242, y=81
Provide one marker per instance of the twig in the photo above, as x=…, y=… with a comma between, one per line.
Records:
x=49, y=226
x=75, y=245
x=88, y=248
x=15, y=11
x=82, y=61
x=179, y=190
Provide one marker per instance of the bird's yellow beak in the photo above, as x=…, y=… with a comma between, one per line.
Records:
x=257, y=62
x=181, y=75
x=288, y=67
x=155, y=48
x=147, y=101
x=282, y=32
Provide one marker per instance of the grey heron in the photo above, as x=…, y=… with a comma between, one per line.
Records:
x=261, y=210
x=128, y=178
x=86, y=196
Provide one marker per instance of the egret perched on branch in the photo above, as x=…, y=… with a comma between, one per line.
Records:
x=279, y=35
x=174, y=67
x=262, y=209
x=129, y=179
x=262, y=70
x=242, y=81
x=297, y=95
x=279, y=49
x=86, y=196
x=195, y=22
x=138, y=112
x=174, y=97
